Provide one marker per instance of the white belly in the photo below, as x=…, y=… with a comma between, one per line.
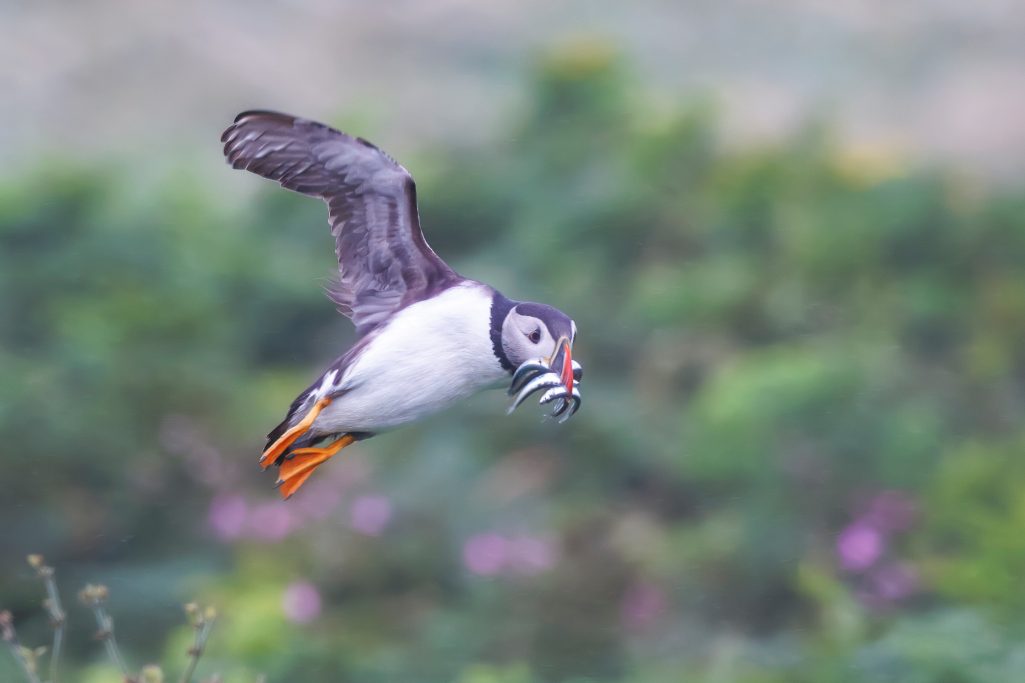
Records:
x=432, y=354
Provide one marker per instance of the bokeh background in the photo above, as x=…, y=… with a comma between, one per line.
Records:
x=792, y=235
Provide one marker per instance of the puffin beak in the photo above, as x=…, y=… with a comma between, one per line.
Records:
x=562, y=364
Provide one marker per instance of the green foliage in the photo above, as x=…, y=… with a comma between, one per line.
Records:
x=775, y=340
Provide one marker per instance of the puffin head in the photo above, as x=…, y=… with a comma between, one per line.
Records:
x=537, y=346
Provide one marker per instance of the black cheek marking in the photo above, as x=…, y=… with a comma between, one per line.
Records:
x=500, y=307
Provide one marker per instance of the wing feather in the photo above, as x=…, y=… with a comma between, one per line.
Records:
x=384, y=262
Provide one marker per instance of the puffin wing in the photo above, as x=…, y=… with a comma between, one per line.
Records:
x=384, y=262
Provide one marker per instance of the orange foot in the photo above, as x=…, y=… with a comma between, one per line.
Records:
x=301, y=462
x=273, y=451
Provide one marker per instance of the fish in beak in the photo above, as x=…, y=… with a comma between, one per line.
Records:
x=559, y=374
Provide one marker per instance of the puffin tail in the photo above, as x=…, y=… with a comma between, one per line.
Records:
x=291, y=445
x=291, y=432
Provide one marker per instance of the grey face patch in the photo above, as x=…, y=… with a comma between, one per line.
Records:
x=530, y=331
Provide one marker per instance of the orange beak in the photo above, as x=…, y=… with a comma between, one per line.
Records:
x=566, y=369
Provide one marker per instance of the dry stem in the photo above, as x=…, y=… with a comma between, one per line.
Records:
x=202, y=623
x=95, y=596
x=25, y=657
x=53, y=608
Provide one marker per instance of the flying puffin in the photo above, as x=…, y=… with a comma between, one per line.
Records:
x=426, y=336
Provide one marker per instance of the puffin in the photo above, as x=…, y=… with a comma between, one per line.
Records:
x=426, y=337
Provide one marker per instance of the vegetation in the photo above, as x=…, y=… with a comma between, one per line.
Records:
x=94, y=597
x=799, y=457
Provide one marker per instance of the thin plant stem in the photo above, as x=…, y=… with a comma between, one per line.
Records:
x=10, y=637
x=202, y=624
x=106, y=624
x=58, y=619
x=94, y=597
x=54, y=608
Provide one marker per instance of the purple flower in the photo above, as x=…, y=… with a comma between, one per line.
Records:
x=859, y=546
x=271, y=521
x=369, y=515
x=642, y=605
x=894, y=582
x=486, y=554
x=529, y=554
x=319, y=499
x=353, y=470
x=301, y=602
x=892, y=511
x=227, y=516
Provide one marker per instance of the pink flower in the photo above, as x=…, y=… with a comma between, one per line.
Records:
x=894, y=582
x=859, y=546
x=530, y=554
x=892, y=511
x=319, y=499
x=301, y=602
x=486, y=554
x=642, y=605
x=369, y=515
x=227, y=516
x=272, y=521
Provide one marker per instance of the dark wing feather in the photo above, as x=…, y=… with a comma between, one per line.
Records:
x=384, y=263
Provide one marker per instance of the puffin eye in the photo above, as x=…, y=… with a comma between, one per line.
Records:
x=534, y=336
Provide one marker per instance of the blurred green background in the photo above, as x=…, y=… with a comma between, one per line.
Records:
x=800, y=456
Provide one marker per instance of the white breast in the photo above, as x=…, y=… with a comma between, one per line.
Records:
x=431, y=354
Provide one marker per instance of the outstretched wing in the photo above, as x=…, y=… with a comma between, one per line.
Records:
x=384, y=262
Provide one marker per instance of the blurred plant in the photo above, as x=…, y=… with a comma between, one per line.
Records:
x=492, y=553
x=864, y=550
x=301, y=602
x=52, y=605
x=202, y=621
x=95, y=597
x=770, y=333
x=28, y=658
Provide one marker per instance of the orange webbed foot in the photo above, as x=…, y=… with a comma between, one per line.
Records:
x=300, y=464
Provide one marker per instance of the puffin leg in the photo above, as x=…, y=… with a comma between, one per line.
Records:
x=288, y=438
x=300, y=463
